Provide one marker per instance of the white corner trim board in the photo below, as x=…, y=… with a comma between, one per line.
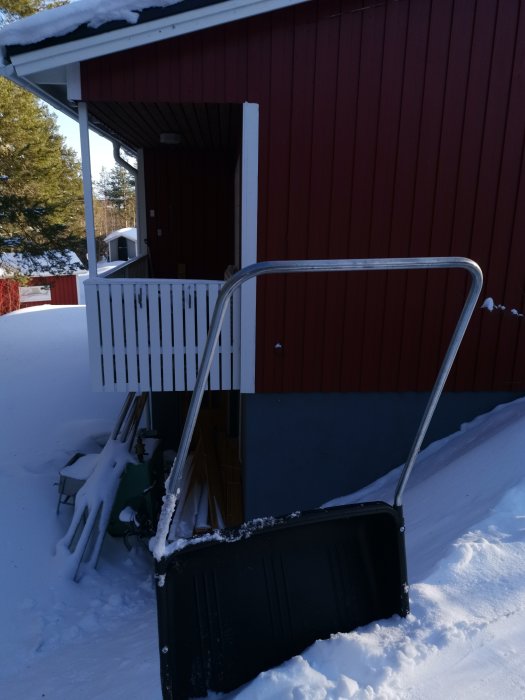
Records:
x=249, y=198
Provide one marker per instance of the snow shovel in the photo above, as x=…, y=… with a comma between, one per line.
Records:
x=81, y=545
x=239, y=601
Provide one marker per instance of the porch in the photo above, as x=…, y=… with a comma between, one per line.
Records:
x=196, y=217
x=148, y=334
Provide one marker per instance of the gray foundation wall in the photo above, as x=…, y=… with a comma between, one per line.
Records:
x=300, y=450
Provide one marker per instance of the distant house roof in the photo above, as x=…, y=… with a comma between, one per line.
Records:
x=129, y=233
x=36, y=267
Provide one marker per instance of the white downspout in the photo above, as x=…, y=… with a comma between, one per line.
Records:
x=140, y=206
x=120, y=160
x=88, y=188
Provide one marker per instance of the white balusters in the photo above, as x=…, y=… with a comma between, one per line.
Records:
x=148, y=335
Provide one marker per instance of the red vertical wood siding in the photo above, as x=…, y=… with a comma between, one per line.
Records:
x=387, y=129
x=63, y=290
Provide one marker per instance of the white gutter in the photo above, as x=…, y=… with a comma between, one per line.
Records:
x=142, y=34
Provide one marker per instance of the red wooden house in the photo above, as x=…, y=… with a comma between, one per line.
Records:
x=58, y=289
x=40, y=285
x=280, y=129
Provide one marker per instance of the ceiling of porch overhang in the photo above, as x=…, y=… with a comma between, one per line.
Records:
x=140, y=124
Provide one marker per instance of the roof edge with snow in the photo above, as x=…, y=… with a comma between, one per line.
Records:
x=129, y=232
x=88, y=29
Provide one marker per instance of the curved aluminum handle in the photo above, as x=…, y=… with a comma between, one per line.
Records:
x=175, y=479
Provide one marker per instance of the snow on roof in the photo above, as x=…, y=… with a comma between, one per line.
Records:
x=60, y=21
x=130, y=233
x=11, y=262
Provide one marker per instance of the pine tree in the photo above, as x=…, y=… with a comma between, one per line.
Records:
x=116, y=190
x=41, y=210
x=14, y=9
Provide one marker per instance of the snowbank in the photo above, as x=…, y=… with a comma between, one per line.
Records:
x=56, y=637
x=97, y=640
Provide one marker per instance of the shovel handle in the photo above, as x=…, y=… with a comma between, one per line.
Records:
x=176, y=477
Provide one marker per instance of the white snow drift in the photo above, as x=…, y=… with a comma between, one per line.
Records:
x=465, y=512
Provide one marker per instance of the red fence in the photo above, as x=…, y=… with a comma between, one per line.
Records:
x=9, y=297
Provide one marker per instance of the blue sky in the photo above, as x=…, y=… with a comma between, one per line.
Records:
x=101, y=149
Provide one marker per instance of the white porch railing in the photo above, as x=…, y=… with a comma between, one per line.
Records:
x=149, y=335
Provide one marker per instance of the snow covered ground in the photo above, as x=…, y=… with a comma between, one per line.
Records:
x=465, y=512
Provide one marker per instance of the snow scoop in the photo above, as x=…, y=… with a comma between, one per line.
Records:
x=236, y=602
x=81, y=545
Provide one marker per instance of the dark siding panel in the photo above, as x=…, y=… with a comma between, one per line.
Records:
x=192, y=197
x=504, y=281
x=344, y=125
x=386, y=191
x=258, y=90
x=385, y=129
x=236, y=63
x=321, y=308
x=335, y=238
x=430, y=318
x=516, y=292
x=303, y=79
x=489, y=182
x=345, y=176
x=496, y=192
x=400, y=299
x=429, y=125
x=277, y=180
x=367, y=342
x=370, y=71
x=467, y=235
x=450, y=287
x=122, y=77
x=214, y=68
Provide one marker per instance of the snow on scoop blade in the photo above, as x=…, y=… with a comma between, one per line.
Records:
x=232, y=608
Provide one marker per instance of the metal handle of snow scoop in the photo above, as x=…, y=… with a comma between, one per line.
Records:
x=175, y=479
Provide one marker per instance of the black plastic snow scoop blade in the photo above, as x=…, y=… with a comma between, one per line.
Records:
x=230, y=609
x=236, y=605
